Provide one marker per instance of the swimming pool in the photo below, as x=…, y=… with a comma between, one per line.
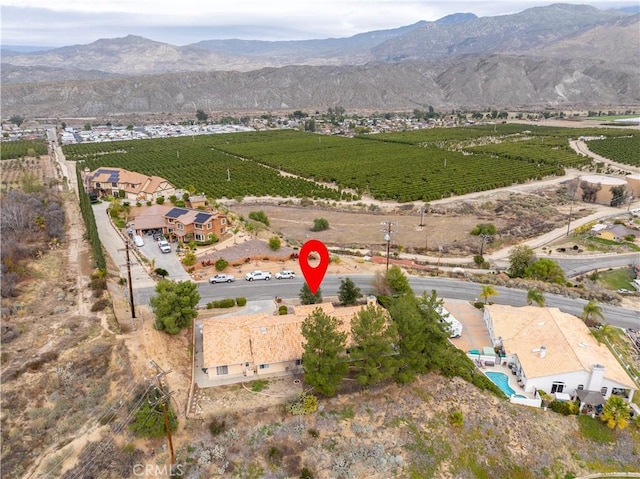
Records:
x=502, y=381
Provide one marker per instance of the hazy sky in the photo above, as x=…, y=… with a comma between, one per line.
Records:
x=180, y=22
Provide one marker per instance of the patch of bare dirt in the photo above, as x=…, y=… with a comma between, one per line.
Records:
x=445, y=226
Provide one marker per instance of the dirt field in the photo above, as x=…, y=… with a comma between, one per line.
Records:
x=517, y=213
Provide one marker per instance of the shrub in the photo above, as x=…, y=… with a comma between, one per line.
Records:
x=456, y=418
x=259, y=385
x=282, y=310
x=222, y=303
x=221, y=264
x=241, y=301
x=259, y=216
x=216, y=426
x=275, y=456
x=163, y=273
x=275, y=243
x=160, y=200
x=566, y=408
x=320, y=224
x=189, y=259
x=304, y=404
x=306, y=473
x=100, y=305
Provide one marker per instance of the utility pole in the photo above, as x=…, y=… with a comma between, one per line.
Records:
x=388, y=231
x=163, y=404
x=133, y=308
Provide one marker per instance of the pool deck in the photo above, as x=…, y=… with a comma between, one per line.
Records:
x=476, y=336
x=513, y=380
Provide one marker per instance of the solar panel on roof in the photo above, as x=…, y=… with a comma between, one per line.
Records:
x=114, y=175
x=175, y=212
x=202, y=217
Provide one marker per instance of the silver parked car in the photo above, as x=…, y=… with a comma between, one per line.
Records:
x=285, y=274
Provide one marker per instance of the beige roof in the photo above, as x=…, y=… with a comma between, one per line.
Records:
x=141, y=183
x=150, y=217
x=263, y=338
x=569, y=344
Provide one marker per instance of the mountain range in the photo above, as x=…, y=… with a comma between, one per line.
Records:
x=560, y=55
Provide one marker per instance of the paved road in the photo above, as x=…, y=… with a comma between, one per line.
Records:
x=446, y=288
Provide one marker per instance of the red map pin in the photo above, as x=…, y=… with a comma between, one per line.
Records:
x=313, y=275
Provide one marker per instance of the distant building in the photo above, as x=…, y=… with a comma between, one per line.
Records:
x=615, y=232
x=555, y=352
x=128, y=185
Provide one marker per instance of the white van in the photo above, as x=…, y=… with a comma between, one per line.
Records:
x=138, y=241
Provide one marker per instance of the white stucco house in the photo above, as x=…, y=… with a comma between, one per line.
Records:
x=555, y=352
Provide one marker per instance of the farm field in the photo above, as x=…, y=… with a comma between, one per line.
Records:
x=622, y=150
x=22, y=148
x=423, y=165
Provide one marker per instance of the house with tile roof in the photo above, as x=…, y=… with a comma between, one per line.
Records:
x=241, y=348
x=182, y=224
x=556, y=352
x=187, y=224
x=128, y=185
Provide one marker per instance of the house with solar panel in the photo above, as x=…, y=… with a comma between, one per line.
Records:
x=127, y=185
x=187, y=225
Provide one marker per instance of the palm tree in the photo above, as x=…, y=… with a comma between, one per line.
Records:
x=535, y=296
x=615, y=413
x=590, y=312
x=487, y=292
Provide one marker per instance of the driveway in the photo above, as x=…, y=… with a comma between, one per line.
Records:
x=167, y=261
x=474, y=331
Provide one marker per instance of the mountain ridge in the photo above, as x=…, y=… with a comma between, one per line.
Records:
x=560, y=55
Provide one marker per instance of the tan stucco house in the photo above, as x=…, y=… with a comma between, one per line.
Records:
x=555, y=352
x=261, y=345
x=135, y=186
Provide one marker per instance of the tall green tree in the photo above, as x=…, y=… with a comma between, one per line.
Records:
x=307, y=297
x=397, y=281
x=616, y=413
x=412, y=338
x=323, y=358
x=487, y=292
x=348, y=292
x=175, y=305
x=520, y=258
x=535, y=296
x=546, y=269
x=373, y=353
x=591, y=312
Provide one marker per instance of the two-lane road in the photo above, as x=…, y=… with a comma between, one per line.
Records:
x=446, y=288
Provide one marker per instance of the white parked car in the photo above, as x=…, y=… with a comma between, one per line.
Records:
x=164, y=246
x=222, y=278
x=138, y=240
x=258, y=275
x=286, y=274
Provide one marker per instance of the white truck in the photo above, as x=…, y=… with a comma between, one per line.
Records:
x=164, y=246
x=258, y=275
x=222, y=278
